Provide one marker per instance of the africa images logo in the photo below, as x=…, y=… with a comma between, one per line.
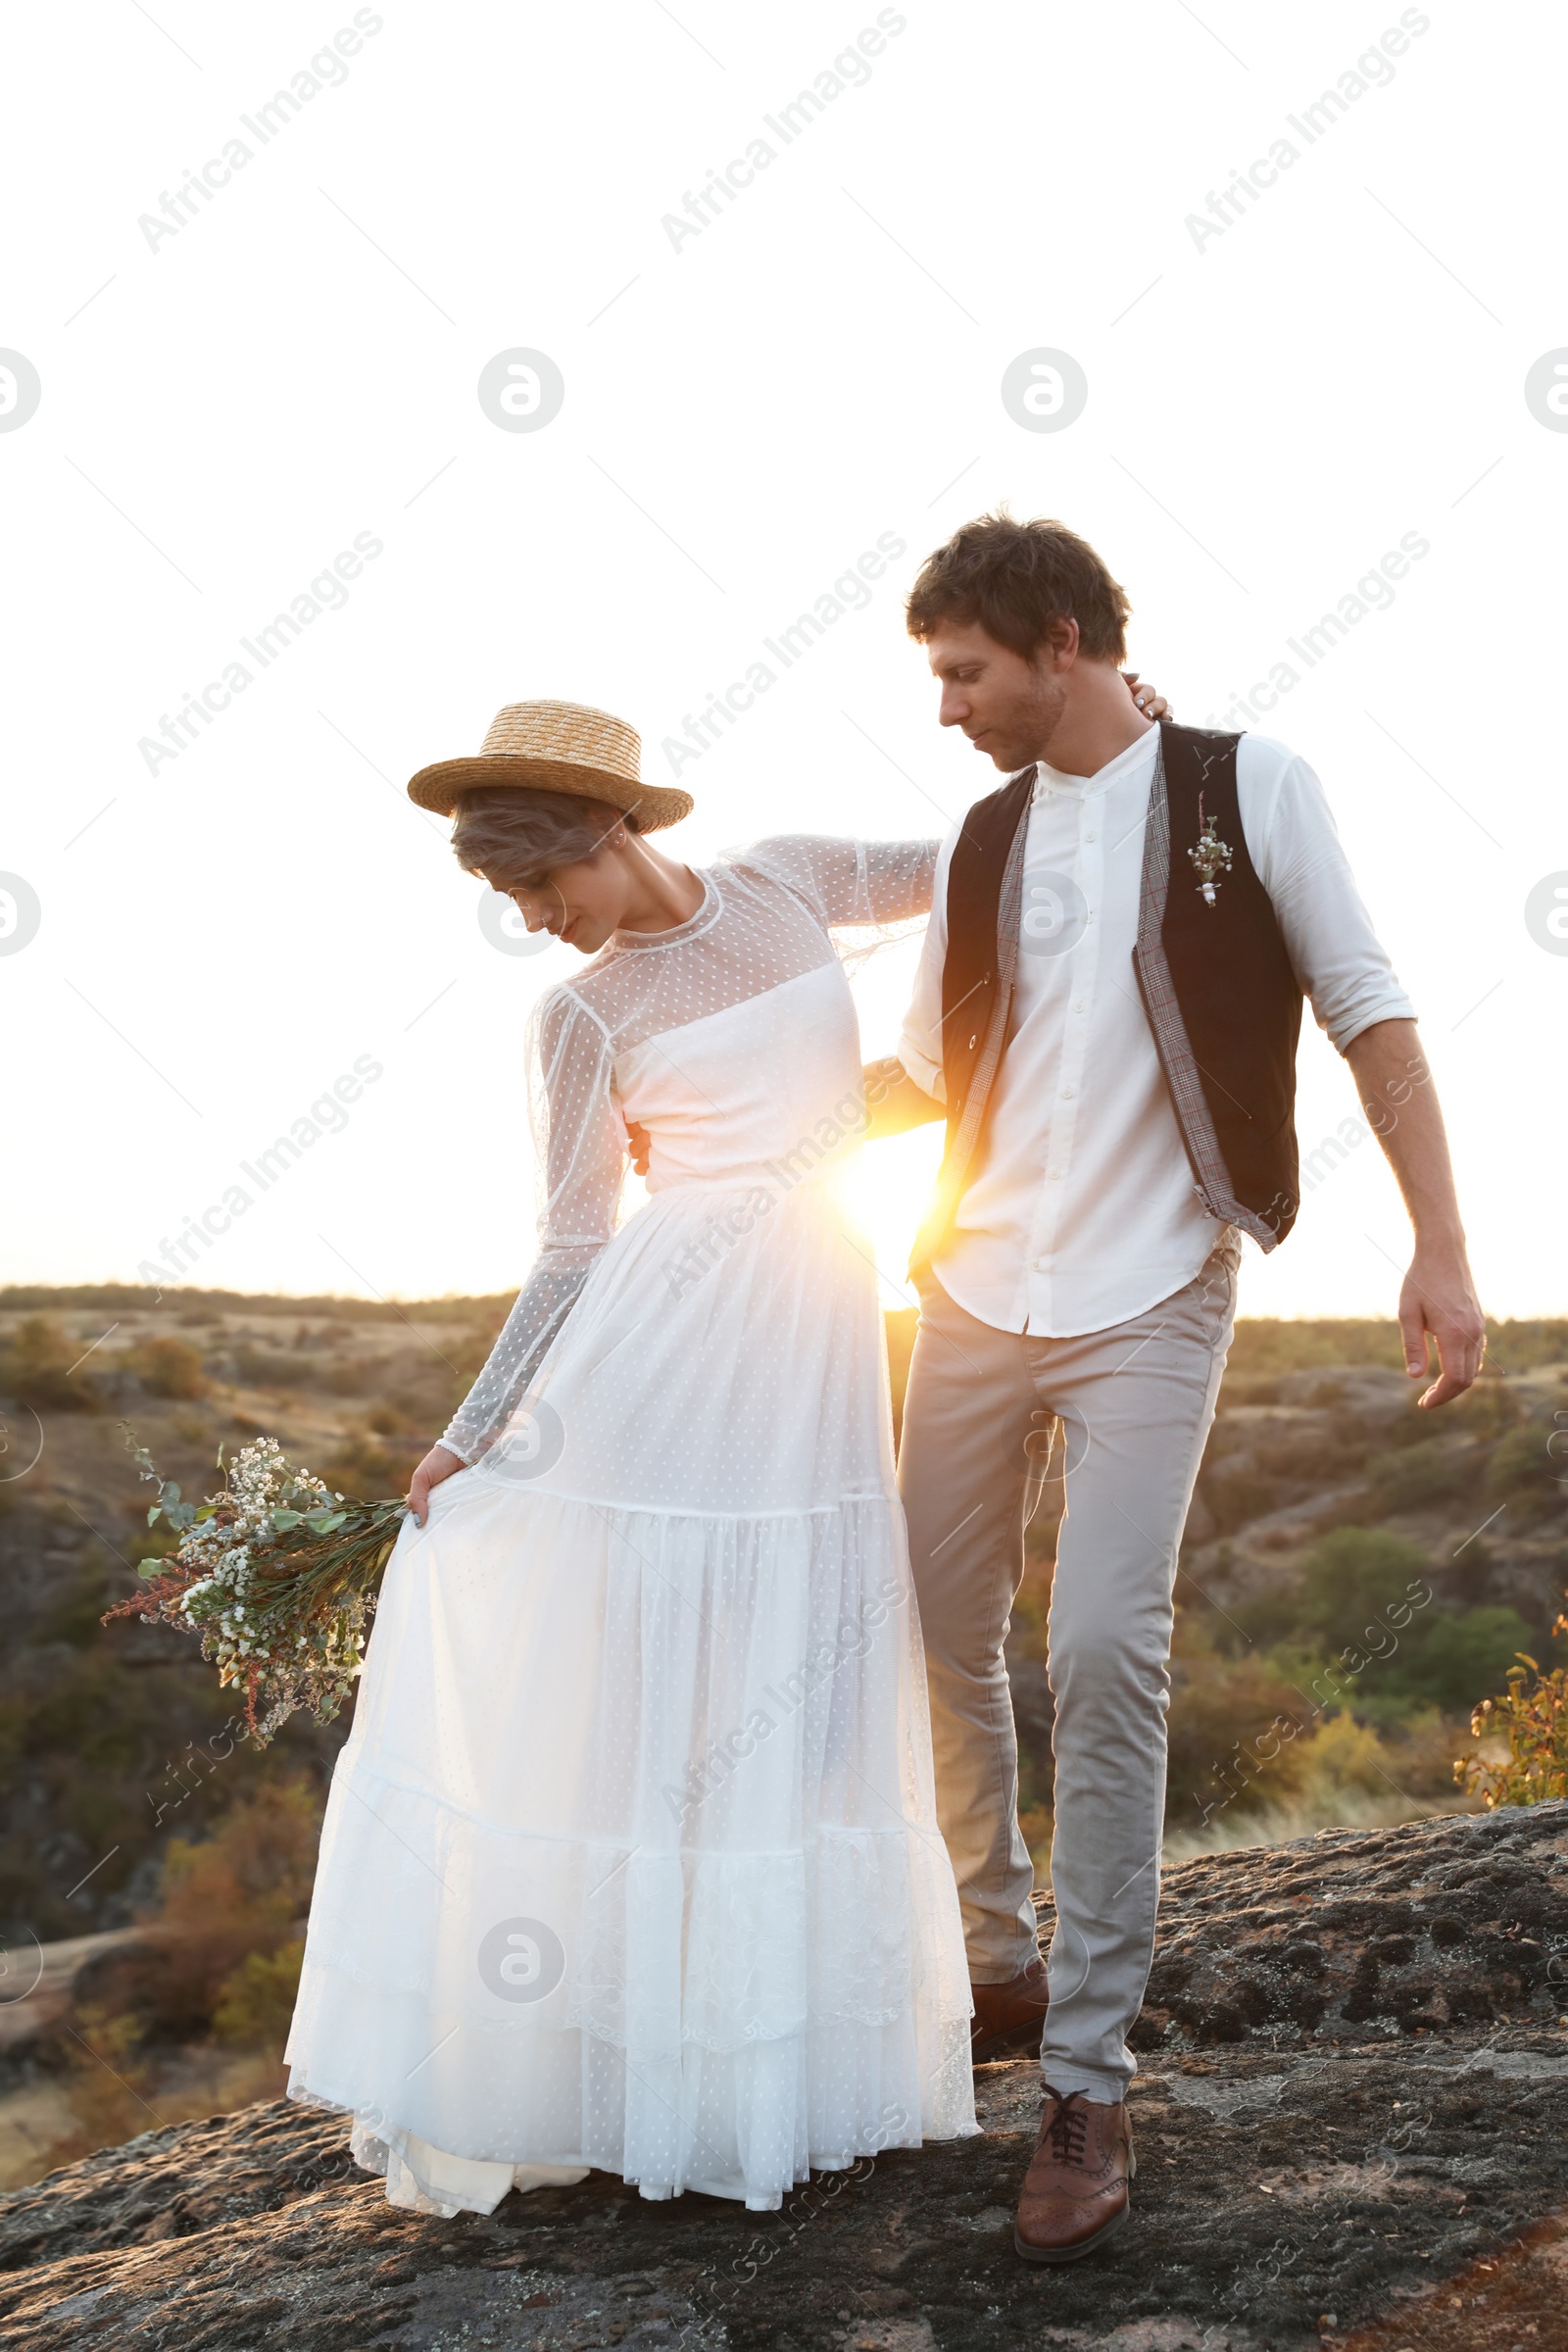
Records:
x=20, y=390
x=1547, y=913
x=522, y=1960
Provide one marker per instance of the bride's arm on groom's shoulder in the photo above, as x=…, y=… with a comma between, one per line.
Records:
x=1150, y=701
x=850, y=885
x=895, y=880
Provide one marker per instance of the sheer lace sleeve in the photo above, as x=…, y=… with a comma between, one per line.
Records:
x=580, y=1154
x=850, y=885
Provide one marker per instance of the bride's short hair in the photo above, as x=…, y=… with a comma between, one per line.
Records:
x=512, y=837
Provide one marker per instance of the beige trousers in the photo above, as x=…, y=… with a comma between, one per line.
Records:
x=1134, y=1404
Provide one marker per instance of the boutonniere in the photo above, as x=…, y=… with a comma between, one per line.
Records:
x=1211, y=855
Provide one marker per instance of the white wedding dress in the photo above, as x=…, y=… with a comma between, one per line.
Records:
x=630, y=1859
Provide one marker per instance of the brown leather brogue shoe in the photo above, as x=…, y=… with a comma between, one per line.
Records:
x=1008, y=2017
x=1075, y=2192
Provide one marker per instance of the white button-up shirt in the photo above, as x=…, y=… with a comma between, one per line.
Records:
x=1080, y=1210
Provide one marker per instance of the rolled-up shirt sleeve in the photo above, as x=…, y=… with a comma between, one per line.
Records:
x=1294, y=845
x=920, y=1044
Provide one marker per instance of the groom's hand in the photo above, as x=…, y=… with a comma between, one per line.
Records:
x=638, y=1145
x=1439, y=1296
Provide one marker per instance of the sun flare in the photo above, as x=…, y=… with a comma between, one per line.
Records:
x=885, y=1188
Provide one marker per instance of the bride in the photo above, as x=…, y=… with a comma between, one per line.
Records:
x=630, y=1859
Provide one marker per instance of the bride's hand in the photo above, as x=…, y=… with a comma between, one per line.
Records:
x=438, y=1464
x=1150, y=701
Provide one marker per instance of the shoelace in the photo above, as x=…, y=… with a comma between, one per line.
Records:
x=1066, y=2129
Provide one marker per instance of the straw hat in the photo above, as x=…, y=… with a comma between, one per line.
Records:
x=555, y=747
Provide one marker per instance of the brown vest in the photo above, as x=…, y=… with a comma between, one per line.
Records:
x=1216, y=983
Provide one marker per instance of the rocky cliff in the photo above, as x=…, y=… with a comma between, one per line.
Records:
x=1348, y=2125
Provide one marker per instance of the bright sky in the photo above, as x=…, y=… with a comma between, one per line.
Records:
x=1281, y=386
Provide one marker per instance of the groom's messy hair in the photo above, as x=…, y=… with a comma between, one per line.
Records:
x=1018, y=578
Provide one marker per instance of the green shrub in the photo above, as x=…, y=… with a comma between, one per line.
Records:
x=1412, y=1475
x=1354, y=1575
x=1355, y=1677
x=1522, y=1472
x=1220, y=1711
x=268, y=1368
x=171, y=1367
x=255, y=2001
x=1258, y=1621
x=1486, y=1409
x=1463, y=1657
x=37, y=1369
x=1237, y=1494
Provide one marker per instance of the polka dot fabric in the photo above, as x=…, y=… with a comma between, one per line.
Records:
x=643, y=1710
x=769, y=914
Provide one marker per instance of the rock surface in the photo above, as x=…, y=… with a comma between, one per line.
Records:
x=1349, y=2124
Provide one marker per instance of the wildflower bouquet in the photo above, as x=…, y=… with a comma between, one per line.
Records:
x=277, y=1574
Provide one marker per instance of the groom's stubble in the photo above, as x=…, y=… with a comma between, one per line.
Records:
x=1054, y=703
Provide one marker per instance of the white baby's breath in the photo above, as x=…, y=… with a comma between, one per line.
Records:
x=278, y=1576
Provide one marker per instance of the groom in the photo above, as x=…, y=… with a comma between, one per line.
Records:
x=1107, y=1016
